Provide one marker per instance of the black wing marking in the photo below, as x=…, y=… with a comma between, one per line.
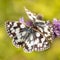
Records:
x=17, y=31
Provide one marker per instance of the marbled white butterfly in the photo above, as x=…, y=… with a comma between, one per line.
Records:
x=34, y=35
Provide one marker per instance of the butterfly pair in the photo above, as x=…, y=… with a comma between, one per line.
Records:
x=34, y=35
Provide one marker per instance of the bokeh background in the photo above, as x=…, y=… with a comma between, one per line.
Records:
x=13, y=10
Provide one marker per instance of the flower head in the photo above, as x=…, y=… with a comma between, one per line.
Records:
x=29, y=23
x=21, y=20
x=56, y=27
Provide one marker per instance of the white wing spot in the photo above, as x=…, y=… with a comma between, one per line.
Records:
x=40, y=45
x=45, y=42
x=11, y=29
x=42, y=39
x=31, y=37
x=11, y=35
x=23, y=33
x=22, y=26
x=36, y=41
x=15, y=24
x=45, y=46
x=40, y=29
x=8, y=26
x=35, y=49
x=37, y=34
x=17, y=30
x=10, y=23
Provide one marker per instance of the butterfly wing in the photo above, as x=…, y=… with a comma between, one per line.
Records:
x=36, y=42
x=34, y=17
x=17, y=31
x=30, y=14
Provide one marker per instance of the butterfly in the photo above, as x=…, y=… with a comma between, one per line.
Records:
x=33, y=35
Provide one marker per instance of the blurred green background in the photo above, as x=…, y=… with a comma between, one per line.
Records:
x=13, y=10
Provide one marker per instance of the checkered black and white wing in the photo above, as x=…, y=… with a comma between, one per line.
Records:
x=45, y=29
x=34, y=17
x=17, y=31
x=30, y=14
x=36, y=42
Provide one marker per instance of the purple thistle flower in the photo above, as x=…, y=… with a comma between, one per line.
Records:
x=56, y=27
x=29, y=23
x=21, y=20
